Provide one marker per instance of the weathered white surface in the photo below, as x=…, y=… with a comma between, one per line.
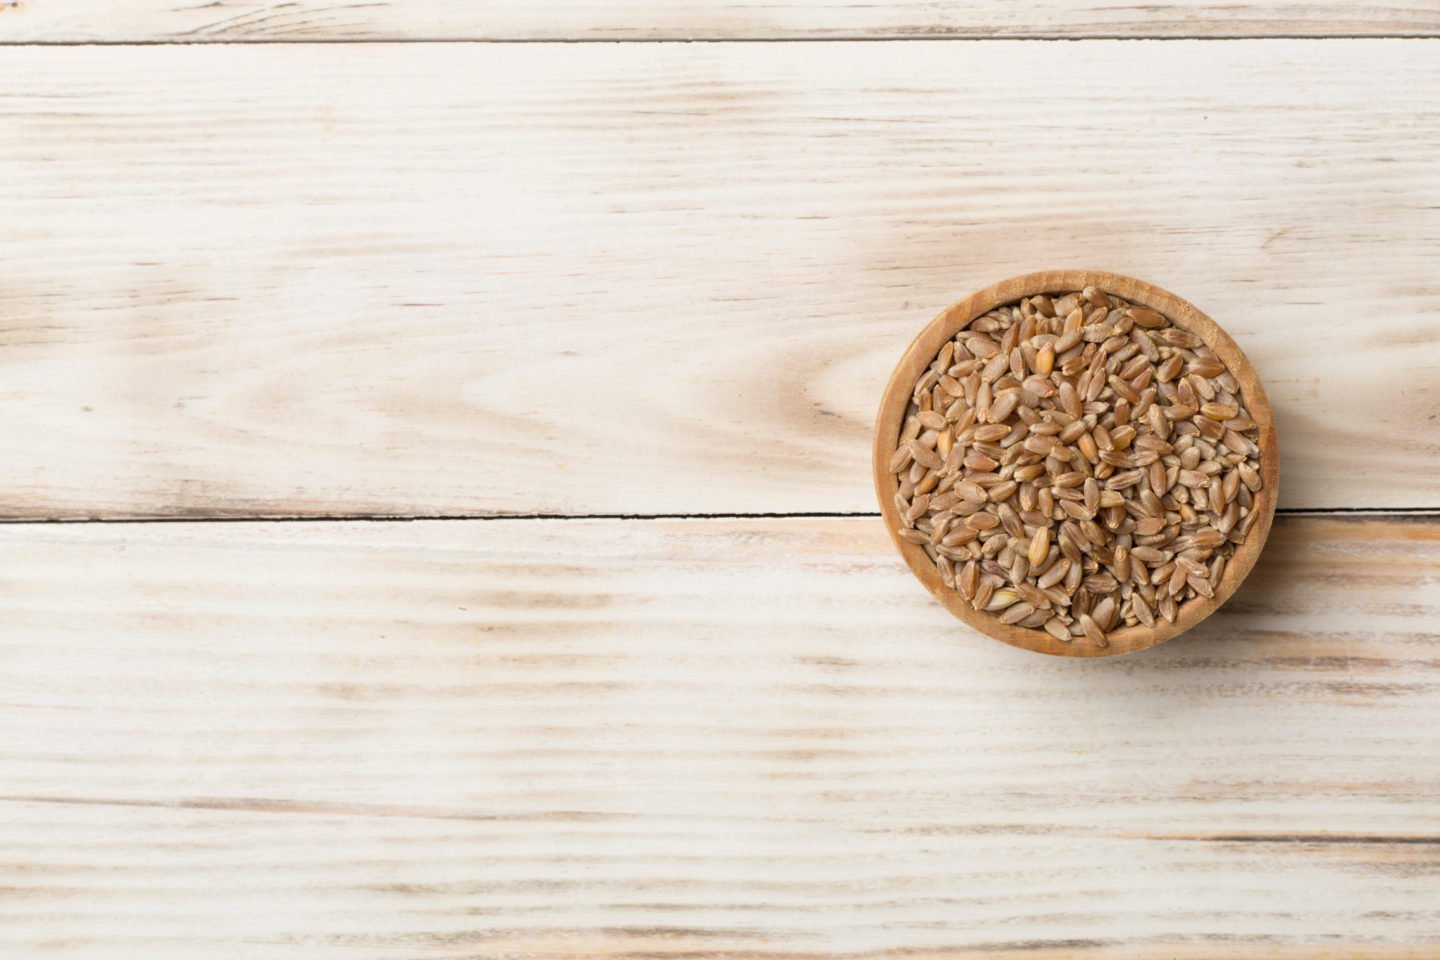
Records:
x=635, y=278
x=714, y=738
x=107, y=21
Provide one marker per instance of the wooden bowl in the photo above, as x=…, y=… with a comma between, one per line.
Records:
x=894, y=403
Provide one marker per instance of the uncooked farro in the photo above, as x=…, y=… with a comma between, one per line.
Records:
x=1076, y=464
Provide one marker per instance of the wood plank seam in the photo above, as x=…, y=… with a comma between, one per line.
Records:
x=722, y=41
x=1418, y=513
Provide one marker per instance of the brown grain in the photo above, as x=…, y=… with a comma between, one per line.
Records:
x=1075, y=463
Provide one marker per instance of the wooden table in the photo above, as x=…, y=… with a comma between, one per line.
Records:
x=461, y=424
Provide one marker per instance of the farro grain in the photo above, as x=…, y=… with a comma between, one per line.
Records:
x=1075, y=463
x=1016, y=612
x=1055, y=574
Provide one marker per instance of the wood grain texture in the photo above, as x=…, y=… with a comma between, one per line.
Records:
x=704, y=738
x=104, y=21
x=636, y=278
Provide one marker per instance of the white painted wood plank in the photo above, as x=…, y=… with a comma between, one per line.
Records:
x=105, y=21
x=449, y=279
x=704, y=738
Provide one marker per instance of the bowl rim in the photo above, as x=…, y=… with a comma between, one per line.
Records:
x=921, y=353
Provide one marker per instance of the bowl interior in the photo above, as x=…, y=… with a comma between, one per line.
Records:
x=921, y=353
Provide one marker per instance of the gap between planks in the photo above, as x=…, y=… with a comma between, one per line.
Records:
x=685, y=41
x=1359, y=513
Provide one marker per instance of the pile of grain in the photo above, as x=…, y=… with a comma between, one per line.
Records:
x=1077, y=463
